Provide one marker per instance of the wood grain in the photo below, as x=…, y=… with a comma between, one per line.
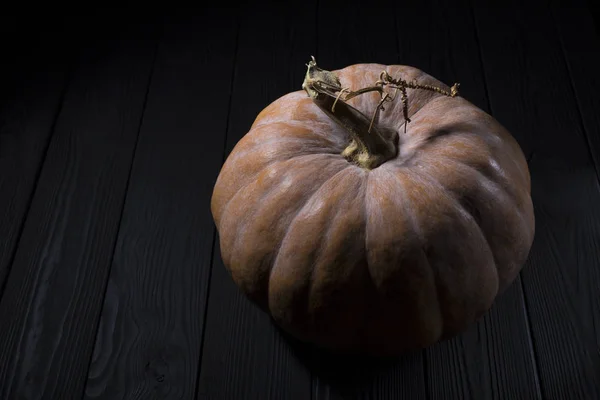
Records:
x=245, y=356
x=33, y=78
x=52, y=301
x=583, y=61
x=150, y=335
x=529, y=87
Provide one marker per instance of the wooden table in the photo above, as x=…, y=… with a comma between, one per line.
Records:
x=112, y=134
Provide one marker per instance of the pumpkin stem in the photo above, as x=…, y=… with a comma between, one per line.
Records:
x=371, y=145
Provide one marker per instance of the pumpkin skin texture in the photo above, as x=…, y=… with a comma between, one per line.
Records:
x=377, y=261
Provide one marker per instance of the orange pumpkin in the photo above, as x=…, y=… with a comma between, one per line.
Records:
x=359, y=236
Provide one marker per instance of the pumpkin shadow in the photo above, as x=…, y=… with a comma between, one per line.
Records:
x=344, y=372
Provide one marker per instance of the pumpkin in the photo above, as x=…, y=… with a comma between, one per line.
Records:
x=374, y=235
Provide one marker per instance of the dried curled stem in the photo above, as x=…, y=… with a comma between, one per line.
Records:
x=401, y=85
x=331, y=85
x=370, y=145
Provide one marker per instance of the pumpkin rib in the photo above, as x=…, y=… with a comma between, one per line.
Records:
x=260, y=254
x=316, y=150
x=444, y=189
x=321, y=268
x=404, y=207
x=506, y=145
x=512, y=194
x=254, y=141
x=249, y=179
x=240, y=154
x=285, y=238
x=512, y=157
x=327, y=232
x=290, y=128
x=517, y=157
x=417, y=228
x=241, y=190
x=314, y=126
x=496, y=147
x=315, y=145
x=280, y=111
x=252, y=179
x=435, y=135
x=507, y=196
x=443, y=192
x=364, y=330
x=305, y=114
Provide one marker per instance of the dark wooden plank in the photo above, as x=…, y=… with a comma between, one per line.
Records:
x=244, y=355
x=493, y=359
x=54, y=295
x=33, y=77
x=150, y=334
x=351, y=33
x=581, y=47
x=530, y=91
